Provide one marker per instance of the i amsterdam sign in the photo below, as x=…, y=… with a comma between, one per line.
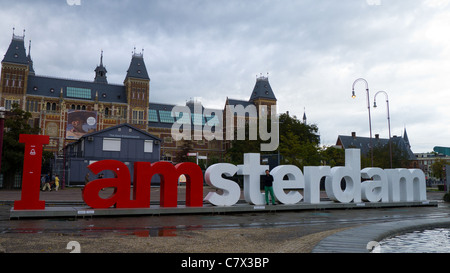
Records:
x=390, y=185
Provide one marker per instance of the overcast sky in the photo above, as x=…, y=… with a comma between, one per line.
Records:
x=313, y=51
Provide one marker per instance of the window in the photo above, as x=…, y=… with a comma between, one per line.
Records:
x=152, y=115
x=81, y=93
x=111, y=144
x=138, y=117
x=32, y=106
x=148, y=146
x=165, y=116
x=9, y=103
x=212, y=120
x=197, y=119
x=7, y=79
x=183, y=118
x=123, y=112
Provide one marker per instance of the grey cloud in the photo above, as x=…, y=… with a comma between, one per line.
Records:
x=313, y=50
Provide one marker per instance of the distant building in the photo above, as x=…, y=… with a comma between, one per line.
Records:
x=67, y=109
x=160, y=122
x=363, y=143
x=52, y=101
x=426, y=160
x=442, y=150
x=262, y=94
x=123, y=142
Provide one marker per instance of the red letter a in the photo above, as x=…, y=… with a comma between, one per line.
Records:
x=121, y=183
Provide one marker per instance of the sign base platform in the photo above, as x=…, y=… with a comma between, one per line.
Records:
x=82, y=212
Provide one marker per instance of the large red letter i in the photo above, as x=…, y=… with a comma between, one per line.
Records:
x=31, y=172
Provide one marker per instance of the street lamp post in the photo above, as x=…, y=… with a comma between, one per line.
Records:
x=368, y=108
x=389, y=121
x=2, y=126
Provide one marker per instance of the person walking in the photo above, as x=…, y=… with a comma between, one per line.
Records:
x=86, y=179
x=42, y=182
x=56, y=182
x=47, y=183
x=268, y=187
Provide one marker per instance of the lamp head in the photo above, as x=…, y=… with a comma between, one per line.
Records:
x=374, y=104
x=353, y=94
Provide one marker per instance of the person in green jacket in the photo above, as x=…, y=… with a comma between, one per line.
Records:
x=268, y=187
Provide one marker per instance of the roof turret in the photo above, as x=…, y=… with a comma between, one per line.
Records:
x=100, y=72
x=16, y=51
x=262, y=89
x=137, y=67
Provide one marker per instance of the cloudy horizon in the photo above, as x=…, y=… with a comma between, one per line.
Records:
x=311, y=50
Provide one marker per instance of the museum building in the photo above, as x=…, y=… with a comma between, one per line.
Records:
x=67, y=109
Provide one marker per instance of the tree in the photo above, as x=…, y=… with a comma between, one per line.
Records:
x=306, y=132
x=16, y=122
x=235, y=154
x=299, y=142
x=437, y=168
x=182, y=156
x=332, y=156
x=381, y=157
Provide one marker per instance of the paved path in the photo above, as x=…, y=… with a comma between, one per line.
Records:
x=284, y=227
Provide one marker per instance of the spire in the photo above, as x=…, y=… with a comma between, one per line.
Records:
x=100, y=71
x=30, y=61
x=406, y=139
x=304, y=115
